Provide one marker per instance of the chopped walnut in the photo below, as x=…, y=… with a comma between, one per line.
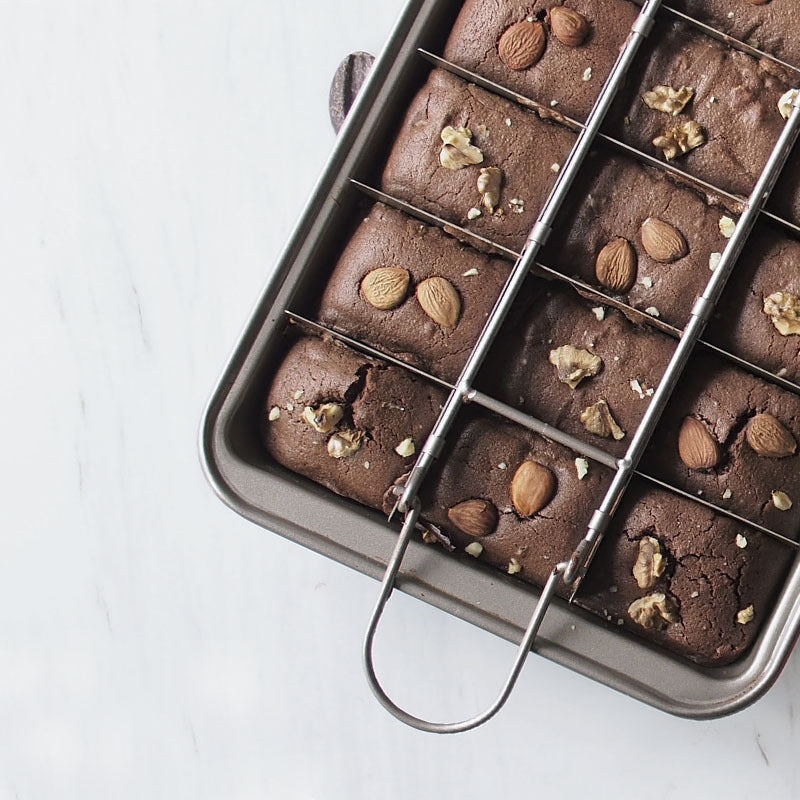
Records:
x=745, y=615
x=650, y=563
x=574, y=365
x=653, y=611
x=457, y=150
x=323, y=418
x=597, y=419
x=783, y=308
x=680, y=140
x=581, y=468
x=490, y=181
x=514, y=566
x=667, y=99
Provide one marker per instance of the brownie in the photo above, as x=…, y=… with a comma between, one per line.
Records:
x=740, y=324
x=597, y=212
x=385, y=405
x=516, y=141
x=387, y=238
x=725, y=400
x=771, y=27
x=520, y=373
x=735, y=103
x=479, y=463
x=568, y=77
x=714, y=572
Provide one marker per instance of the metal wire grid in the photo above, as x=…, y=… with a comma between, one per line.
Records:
x=572, y=571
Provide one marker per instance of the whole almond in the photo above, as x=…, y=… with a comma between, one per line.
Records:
x=697, y=448
x=769, y=437
x=616, y=266
x=522, y=45
x=385, y=288
x=440, y=301
x=532, y=488
x=475, y=517
x=662, y=241
x=569, y=27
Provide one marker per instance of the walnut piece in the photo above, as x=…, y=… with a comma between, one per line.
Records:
x=783, y=308
x=323, y=418
x=655, y=611
x=490, y=182
x=457, y=150
x=680, y=140
x=745, y=615
x=597, y=419
x=574, y=365
x=786, y=103
x=345, y=443
x=650, y=563
x=667, y=99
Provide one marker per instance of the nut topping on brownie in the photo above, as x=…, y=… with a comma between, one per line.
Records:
x=522, y=45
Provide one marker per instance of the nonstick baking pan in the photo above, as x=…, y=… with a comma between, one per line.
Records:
x=245, y=478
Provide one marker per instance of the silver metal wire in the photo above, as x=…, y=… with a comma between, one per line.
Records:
x=409, y=502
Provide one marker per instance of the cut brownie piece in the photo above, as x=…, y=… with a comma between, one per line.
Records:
x=478, y=468
x=344, y=421
x=768, y=26
x=568, y=76
x=758, y=317
x=387, y=238
x=613, y=200
x=527, y=150
x=724, y=402
x=734, y=102
x=631, y=363
x=717, y=580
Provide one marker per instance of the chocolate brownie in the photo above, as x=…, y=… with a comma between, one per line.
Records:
x=725, y=404
x=568, y=76
x=769, y=26
x=387, y=238
x=758, y=317
x=718, y=580
x=526, y=149
x=614, y=199
x=734, y=102
x=630, y=363
x=344, y=421
x=479, y=465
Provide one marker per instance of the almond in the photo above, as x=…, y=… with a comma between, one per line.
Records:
x=662, y=241
x=522, y=45
x=475, y=517
x=569, y=27
x=697, y=448
x=532, y=488
x=769, y=437
x=385, y=288
x=615, y=267
x=440, y=301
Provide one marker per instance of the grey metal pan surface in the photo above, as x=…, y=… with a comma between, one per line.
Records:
x=244, y=477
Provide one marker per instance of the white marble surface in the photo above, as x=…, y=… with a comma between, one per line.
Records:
x=154, y=156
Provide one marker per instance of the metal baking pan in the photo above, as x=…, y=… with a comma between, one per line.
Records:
x=245, y=478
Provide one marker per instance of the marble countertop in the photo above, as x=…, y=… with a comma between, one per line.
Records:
x=155, y=156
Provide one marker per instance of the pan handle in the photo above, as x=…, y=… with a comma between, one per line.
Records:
x=387, y=586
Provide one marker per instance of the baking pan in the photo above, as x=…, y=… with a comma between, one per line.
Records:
x=245, y=478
